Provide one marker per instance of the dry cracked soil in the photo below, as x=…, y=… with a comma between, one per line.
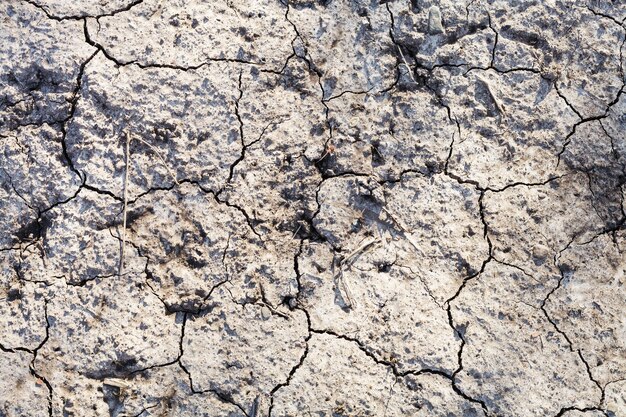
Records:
x=340, y=208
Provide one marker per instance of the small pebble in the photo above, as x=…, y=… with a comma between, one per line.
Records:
x=266, y=313
x=434, y=21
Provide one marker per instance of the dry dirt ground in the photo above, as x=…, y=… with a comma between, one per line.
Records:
x=312, y=208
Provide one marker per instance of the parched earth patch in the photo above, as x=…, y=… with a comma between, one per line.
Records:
x=312, y=208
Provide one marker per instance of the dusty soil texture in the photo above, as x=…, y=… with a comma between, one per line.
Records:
x=340, y=208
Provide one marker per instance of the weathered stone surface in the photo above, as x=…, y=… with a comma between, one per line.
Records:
x=180, y=124
x=586, y=305
x=41, y=61
x=355, y=53
x=311, y=207
x=187, y=34
x=83, y=8
x=232, y=335
x=22, y=313
x=509, y=341
x=387, y=134
x=108, y=328
x=367, y=388
x=163, y=390
x=21, y=393
x=523, y=126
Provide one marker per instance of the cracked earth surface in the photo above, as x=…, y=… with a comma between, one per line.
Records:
x=312, y=208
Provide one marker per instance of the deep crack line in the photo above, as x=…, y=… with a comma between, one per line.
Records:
x=118, y=62
x=292, y=372
x=73, y=105
x=241, y=135
x=33, y=368
x=82, y=16
x=605, y=115
x=398, y=374
x=564, y=335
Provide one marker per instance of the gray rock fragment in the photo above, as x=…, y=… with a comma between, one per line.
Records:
x=435, y=25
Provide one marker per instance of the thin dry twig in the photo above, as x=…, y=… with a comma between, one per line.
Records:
x=367, y=244
x=344, y=289
x=342, y=284
x=116, y=382
x=126, y=177
x=406, y=64
x=403, y=228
